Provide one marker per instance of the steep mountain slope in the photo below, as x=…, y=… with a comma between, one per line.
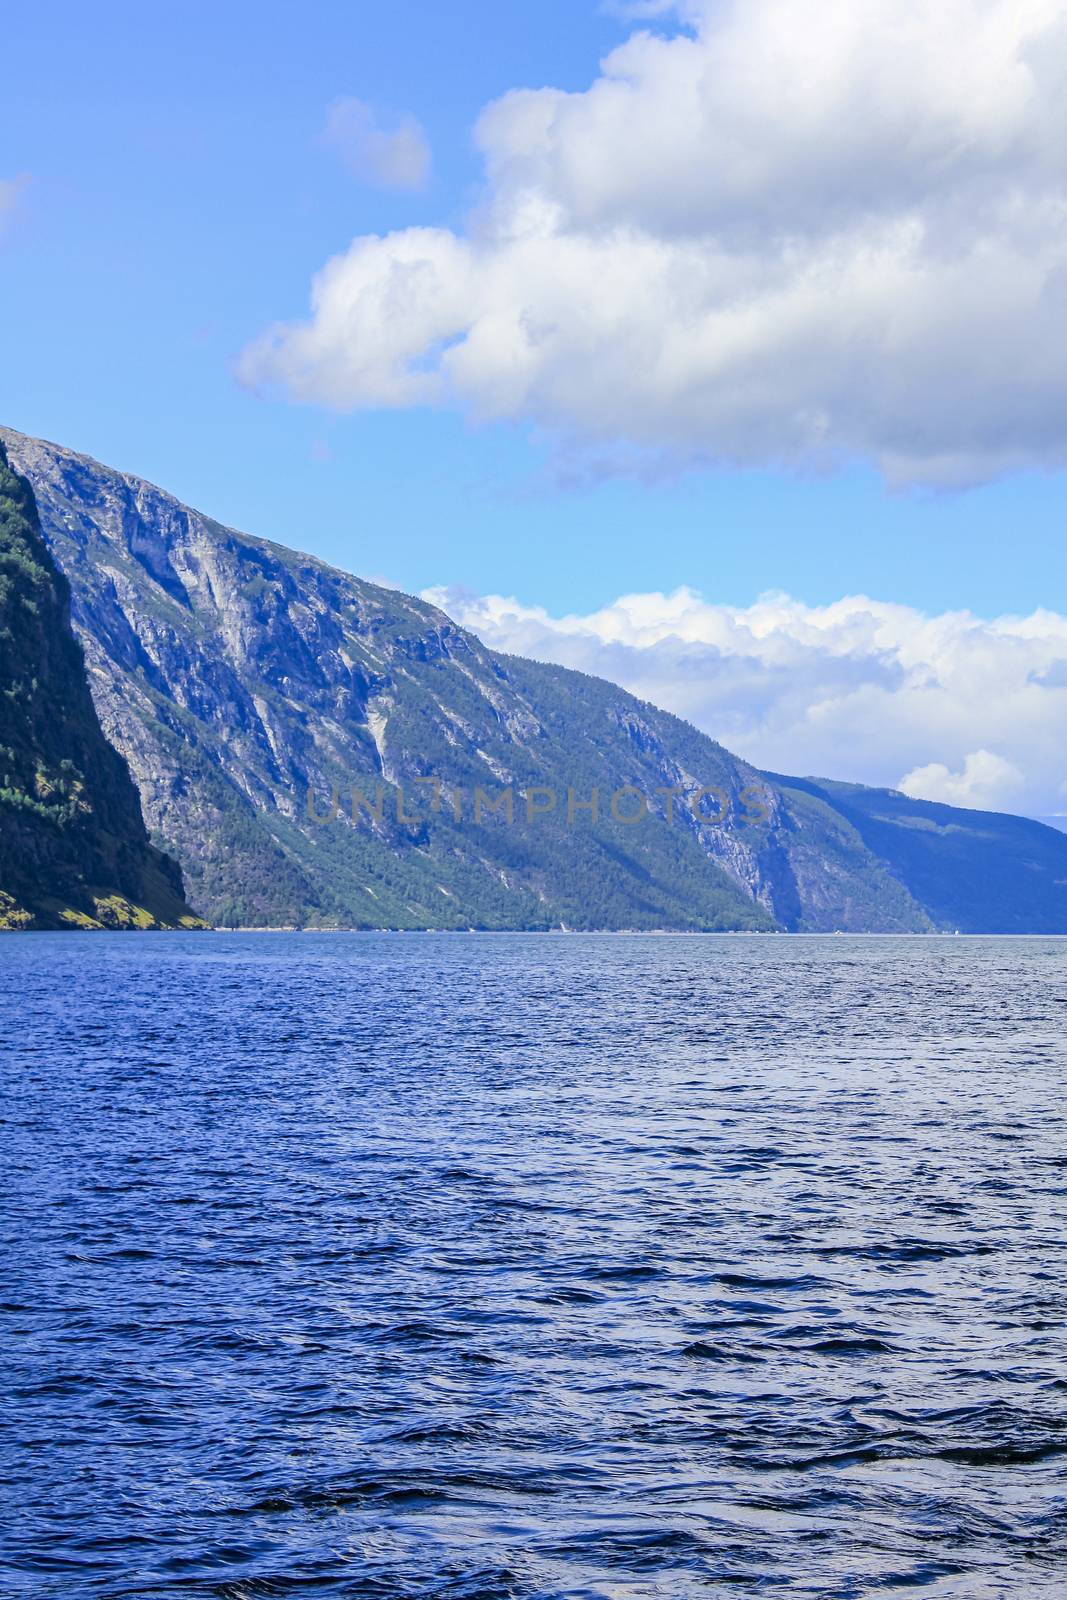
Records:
x=73, y=847
x=239, y=678
x=978, y=871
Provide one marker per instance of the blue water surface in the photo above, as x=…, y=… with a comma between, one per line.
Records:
x=533, y=1266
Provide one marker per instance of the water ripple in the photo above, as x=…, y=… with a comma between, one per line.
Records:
x=506, y=1268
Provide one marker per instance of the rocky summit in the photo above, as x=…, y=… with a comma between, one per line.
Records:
x=319, y=751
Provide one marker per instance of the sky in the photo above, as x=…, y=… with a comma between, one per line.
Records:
x=716, y=348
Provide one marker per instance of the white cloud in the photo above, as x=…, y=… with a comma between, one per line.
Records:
x=949, y=707
x=787, y=231
x=10, y=192
x=985, y=781
x=396, y=157
x=645, y=10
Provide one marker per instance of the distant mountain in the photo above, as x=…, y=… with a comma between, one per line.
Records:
x=979, y=871
x=74, y=851
x=238, y=678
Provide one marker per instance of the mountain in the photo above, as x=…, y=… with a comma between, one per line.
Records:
x=74, y=851
x=239, y=679
x=979, y=871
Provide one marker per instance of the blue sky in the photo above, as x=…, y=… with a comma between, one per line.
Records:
x=810, y=232
x=178, y=199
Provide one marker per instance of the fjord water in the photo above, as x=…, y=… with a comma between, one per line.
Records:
x=504, y=1266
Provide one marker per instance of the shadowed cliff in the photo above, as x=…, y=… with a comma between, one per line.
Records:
x=74, y=851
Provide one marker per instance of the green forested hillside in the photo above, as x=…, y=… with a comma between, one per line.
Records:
x=73, y=847
x=978, y=871
x=239, y=678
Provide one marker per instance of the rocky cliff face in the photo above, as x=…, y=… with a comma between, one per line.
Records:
x=240, y=679
x=74, y=851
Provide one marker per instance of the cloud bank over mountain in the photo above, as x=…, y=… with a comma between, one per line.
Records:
x=770, y=232
x=952, y=707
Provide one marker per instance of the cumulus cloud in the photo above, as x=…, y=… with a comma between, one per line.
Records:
x=986, y=780
x=949, y=707
x=772, y=232
x=393, y=157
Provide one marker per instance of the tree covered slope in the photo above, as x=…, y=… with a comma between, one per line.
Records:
x=240, y=678
x=74, y=851
x=978, y=871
